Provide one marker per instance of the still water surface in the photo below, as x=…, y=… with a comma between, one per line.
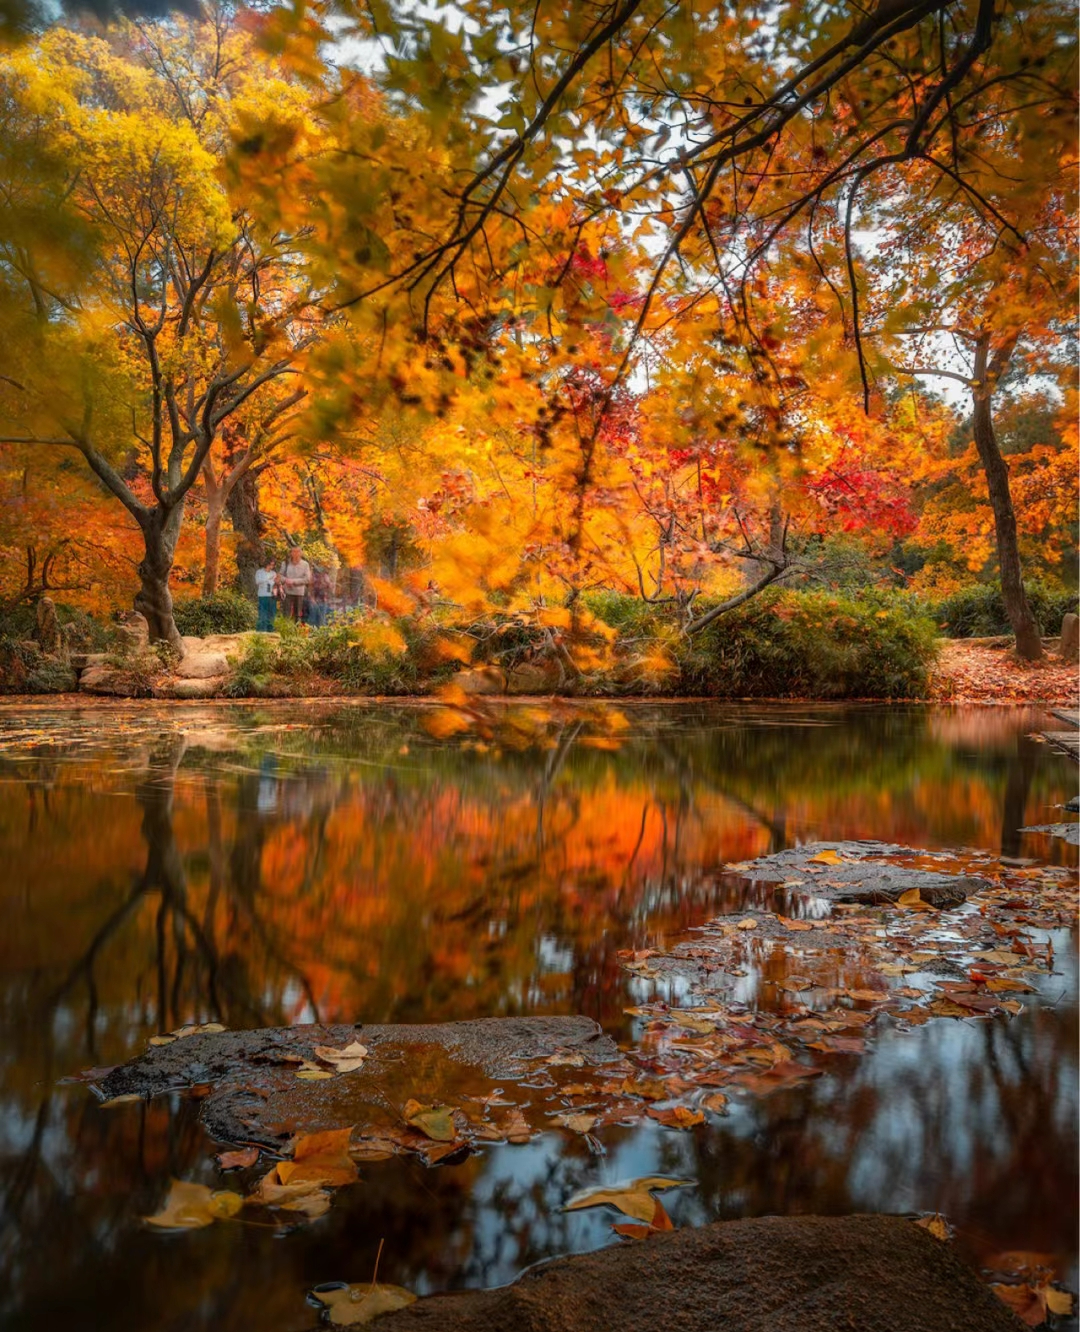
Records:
x=266, y=865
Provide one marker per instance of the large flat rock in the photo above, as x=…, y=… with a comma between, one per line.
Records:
x=768, y=1274
x=253, y=1094
x=866, y=872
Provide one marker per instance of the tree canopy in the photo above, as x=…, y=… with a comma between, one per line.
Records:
x=657, y=297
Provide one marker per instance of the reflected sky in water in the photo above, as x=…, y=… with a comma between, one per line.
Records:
x=265, y=865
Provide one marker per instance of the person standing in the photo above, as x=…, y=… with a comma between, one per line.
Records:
x=266, y=587
x=295, y=580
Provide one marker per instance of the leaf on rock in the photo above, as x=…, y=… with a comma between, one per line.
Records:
x=936, y=1225
x=345, y=1059
x=829, y=857
x=353, y=1306
x=192, y=1206
x=912, y=898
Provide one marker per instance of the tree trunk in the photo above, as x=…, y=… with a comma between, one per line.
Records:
x=996, y=470
x=160, y=529
x=215, y=507
x=242, y=503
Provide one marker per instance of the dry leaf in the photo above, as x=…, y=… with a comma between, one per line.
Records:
x=634, y=1199
x=577, y=1123
x=936, y=1225
x=192, y=1206
x=435, y=1122
x=676, y=1116
x=829, y=857
x=660, y=1222
x=353, y=1306
x=344, y=1060
x=239, y=1160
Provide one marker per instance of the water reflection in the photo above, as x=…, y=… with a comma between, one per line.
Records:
x=273, y=865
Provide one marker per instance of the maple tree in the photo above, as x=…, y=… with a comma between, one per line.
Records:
x=152, y=320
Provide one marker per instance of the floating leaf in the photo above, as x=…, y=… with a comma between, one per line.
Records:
x=320, y=1158
x=676, y=1116
x=238, y=1160
x=660, y=1222
x=578, y=1123
x=435, y=1122
x=633, y=1199
x=192, y=1206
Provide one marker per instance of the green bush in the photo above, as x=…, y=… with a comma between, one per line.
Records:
x=221, y=613
x=336, y=658
x=813, y=645
x=978, y=611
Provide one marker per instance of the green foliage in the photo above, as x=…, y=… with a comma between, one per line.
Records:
x=813, y=645
x=336, y=659
x=978, y=611
x=221, y=613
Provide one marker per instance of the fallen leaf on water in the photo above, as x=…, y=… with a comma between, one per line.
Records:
x=1027, y=1302
x=633, y=1199
x=936, y=1225
x=777, y=1078
x=660, y=1222
x=320, y=1158
x=192, y=1206
x=747, y=923
x=676, y=1116
x=239, y=1160
x=435, y=1122
x=516, y=1127
x=578, y=1123
x=346, y=1059
x=1059, y=1302
x=795, y=925
x=352, y=1306
x=716, y=1102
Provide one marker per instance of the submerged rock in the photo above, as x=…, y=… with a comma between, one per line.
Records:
x=766, y=1274
x=255, y=1095
x=1068, y=832
x=863, y=871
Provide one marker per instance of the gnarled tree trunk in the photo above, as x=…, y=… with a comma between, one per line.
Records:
x=988, y=370
x=160, y=529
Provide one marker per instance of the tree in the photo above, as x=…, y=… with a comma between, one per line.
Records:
x=181, y=322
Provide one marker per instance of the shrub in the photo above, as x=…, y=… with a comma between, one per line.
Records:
x=813, y=645
x=221, y=613
x=978, y=611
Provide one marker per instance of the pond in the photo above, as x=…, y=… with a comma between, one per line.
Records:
x=266, y=865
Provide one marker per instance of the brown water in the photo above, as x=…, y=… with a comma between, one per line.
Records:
x=264, y=865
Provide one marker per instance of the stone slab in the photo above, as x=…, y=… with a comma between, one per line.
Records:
x=1068, y=832
x=255, y=1097
x=764, y=1274
x=864, y=874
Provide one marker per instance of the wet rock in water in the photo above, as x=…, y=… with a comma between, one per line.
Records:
x=861, y=873
x=766, y=1274
x=255, y=1095
x=1068, y=832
